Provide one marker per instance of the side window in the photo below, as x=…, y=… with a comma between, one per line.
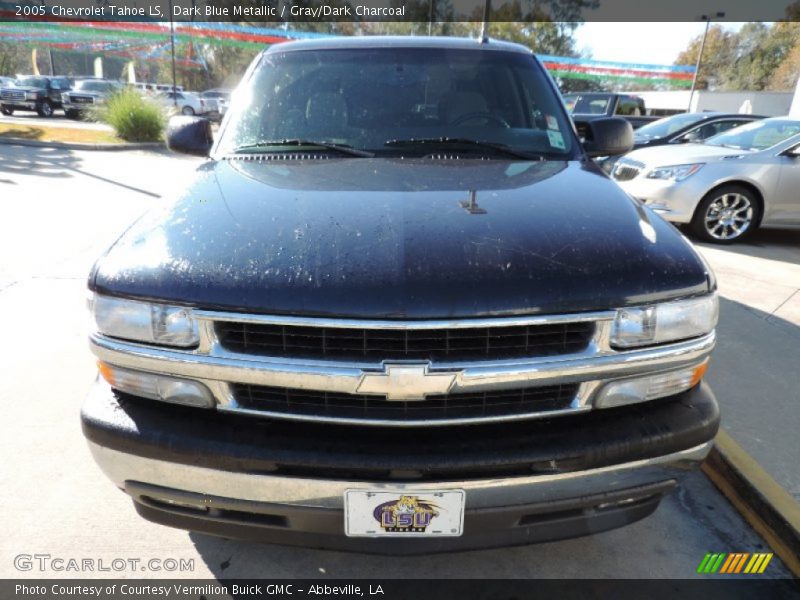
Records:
x=628, y=107
x=55, y=84
x=726, y=125
x=711, y=129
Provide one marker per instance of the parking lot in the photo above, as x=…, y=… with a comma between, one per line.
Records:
x=31, y=119
x=61, y=208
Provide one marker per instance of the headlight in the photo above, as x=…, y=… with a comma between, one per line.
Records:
x=31, y=95
x=145, y=321
x=667, y=322
x=675, y=172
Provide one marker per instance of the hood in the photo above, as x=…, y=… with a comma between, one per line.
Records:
x=24, y=88
x=89, y=94
x=681, y=154
x=391, y=238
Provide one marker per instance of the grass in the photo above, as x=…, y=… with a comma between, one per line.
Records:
x=43, y=133
x=133, y=118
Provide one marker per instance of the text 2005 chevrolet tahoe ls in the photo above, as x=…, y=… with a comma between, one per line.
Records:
x=400, y=310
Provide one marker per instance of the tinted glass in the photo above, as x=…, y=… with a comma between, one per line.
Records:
x=668, y=126
x=37, y=82
x=94, y=86
x=366, y=97
x=758, y=135
x=587, y=105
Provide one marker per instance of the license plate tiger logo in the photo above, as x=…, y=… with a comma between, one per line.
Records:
x=408, y=514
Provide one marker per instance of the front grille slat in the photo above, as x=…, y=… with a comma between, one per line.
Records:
x=479, y=343
x=493, y=403
x=626, y=169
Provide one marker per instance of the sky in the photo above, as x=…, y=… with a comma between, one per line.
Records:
x=651, y=43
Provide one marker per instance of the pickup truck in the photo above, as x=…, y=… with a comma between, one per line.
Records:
x=586, y=106
x=400, y=310
x=87, y=94
x=34, y=92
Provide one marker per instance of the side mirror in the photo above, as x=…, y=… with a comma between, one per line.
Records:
x=793, y=152
x=692, y=137
x=606, y=137
x=190, y=135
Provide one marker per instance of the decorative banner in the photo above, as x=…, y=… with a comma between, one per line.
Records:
x=583, y=68
x=150, y=41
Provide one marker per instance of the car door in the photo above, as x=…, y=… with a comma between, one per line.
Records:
x=54, y=91
x=786, y=204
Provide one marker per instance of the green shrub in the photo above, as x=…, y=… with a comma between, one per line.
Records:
x=134, y=118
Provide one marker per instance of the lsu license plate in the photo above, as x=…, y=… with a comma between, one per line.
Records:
x=378, y=513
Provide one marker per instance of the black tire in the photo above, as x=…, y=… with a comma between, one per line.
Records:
x=726, y=215
x=45, y=109
x=7, y=111
x=188, y=111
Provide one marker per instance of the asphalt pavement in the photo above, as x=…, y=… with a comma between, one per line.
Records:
x=59, y=209
x=30, y=118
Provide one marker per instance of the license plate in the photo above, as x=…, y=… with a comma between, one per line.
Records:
x=377, y=513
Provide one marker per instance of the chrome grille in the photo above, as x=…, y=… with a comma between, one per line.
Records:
x=626, y=170
x=12, y=95
x=472, y=405
x=82, y=99
x=479, y=343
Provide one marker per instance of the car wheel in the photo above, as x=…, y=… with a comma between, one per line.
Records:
x=726, y=215
x=45, y=109
x=7, y=111
x=187, y=110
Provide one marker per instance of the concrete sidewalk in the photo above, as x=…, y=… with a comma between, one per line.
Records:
x=755, y=370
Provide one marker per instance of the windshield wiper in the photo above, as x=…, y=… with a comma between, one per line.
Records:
x=341, y=148
x=446, y=141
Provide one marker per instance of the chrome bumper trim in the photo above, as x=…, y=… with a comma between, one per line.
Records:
x=346, y=377
x=320, y=493
x=218, y=368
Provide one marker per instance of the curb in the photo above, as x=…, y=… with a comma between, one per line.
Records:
x=762, y=501
x=76, y=146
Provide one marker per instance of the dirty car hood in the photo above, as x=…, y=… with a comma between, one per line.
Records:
x=390, y=238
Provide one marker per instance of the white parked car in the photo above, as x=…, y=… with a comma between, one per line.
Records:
x=185, y=103
x=725, y=187
x=215, y=96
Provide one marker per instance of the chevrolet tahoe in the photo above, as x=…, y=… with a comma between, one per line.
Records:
x=400, y=310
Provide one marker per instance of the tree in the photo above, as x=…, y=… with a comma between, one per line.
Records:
x=757, y=57
x=717, y=55
x=785, y=76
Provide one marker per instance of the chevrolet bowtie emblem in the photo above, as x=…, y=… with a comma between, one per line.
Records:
x=403, y=382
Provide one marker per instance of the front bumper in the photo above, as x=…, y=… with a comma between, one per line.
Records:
x=79, y=106
x=674, y=201
x=284, y=482
x=21, y=105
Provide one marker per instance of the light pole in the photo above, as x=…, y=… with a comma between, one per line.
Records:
x=172, y=46
x=707, y=19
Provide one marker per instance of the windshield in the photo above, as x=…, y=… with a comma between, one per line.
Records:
x=758, y=135
x=667, y=126
x=399, y=101
x=587, y=105
x=94, y=86
x=36, y=82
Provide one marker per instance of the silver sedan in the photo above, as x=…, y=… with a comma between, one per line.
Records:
x=726, y=187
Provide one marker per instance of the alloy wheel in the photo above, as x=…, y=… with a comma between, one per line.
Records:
x=728, y=216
